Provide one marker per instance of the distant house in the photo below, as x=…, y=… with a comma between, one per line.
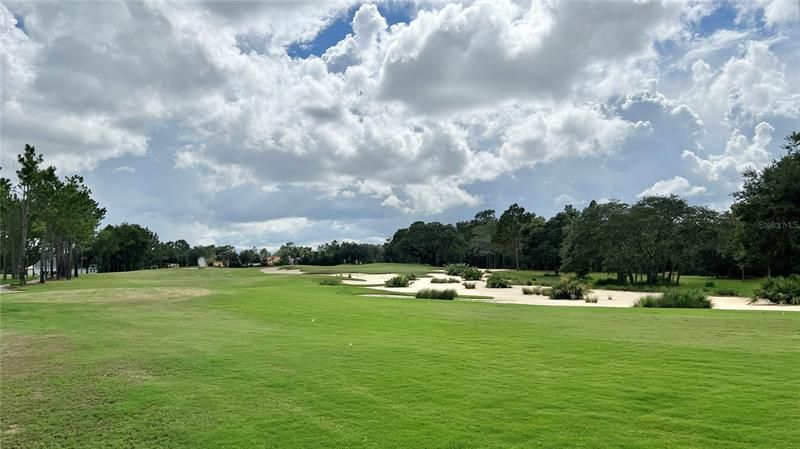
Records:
x=273, y=260
x=50, y=268
x=173, y=265
x=218, y=264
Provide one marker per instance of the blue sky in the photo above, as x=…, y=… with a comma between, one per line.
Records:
x=258, y=123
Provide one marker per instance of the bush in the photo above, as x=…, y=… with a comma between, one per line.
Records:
x=469, y=285
x=472, y=274
x=455, y=269
x=397, y=281
x=465, y=271
x=528, y=282
x=710, y=284
x=432, y=293
x=497, y=281
x=676, y=298
x=444, y=281
x=412, y=277
x=592, y=299
x=780, y=290
x=568, y=287
x=331, y=281
x=527, y=291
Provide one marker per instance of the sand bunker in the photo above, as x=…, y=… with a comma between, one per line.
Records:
x=605, y=298
x=514, y=295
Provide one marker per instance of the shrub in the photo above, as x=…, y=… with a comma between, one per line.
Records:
x=444, y=281
x=676, y=298
x=527, y=291
x=528, y=282
x=412, y=277
x=591, y=299
x=497, y=281
x=568, y=287
x=469, y=285
x=455, y=269
x=710, y=284
x=780, y=290
x=331, y=281
x=472, y=274
x=461, y=269
x=432, y=293
x=397, y=281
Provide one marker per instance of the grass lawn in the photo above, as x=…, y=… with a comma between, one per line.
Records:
x=221, y=358
x=721, y=287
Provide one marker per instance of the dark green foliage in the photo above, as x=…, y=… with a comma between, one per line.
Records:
x=726, y=292
x=397, y=281
x=432, y=293
x=465, y=271
x=429, y=243
x=780, y=290
x=497, y=281
x=445, y=281
x=331, y=281
x=455, y=269
x=527, y=291
x=469, y=285
x=768, y=210
x=710, y=284
x=568, y=287
x=472, y=274
x=676, y=298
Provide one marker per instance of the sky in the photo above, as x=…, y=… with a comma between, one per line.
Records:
x=257, y=123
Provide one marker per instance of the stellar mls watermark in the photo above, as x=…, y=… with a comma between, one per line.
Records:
x=779, y=225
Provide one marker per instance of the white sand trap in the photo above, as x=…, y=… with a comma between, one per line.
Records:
x=276, y=270
x=605, y=298
x=365, y=279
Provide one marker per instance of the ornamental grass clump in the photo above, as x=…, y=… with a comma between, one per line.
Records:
x=568, y=287
x=432, y=293
x=397, y=281
x=676, y=298
x=497, y=281
x=780, y=290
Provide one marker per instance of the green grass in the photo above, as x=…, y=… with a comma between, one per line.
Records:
x=369, y=268
x=735, y=287
x=238, y=359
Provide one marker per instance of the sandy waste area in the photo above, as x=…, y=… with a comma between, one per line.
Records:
x=514, y=295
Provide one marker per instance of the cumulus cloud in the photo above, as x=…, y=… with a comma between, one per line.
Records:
x=676, y=186
x=740, y=154
x=747, y=88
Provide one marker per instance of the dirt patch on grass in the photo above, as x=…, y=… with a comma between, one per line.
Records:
x=23, y=354
x=129, y=374
x=113, y=295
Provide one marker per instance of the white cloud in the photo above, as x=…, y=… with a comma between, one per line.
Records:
x=676, y=186
x=739, y=155
x=125, y=169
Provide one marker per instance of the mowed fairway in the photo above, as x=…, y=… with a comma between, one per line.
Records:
x=237, y=358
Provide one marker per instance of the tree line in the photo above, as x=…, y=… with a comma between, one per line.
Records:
x=45, y=218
